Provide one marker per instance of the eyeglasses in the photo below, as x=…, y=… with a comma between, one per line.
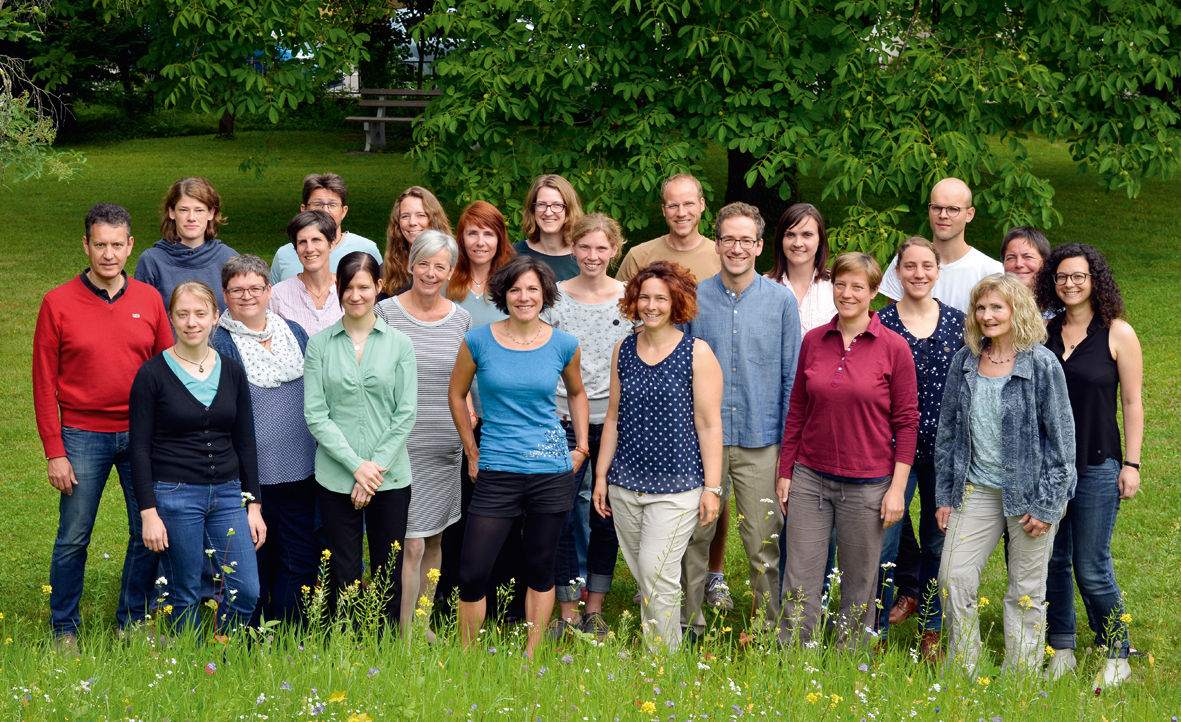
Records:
x=1077, y=279
x=253, y=292
x=321, y=206
x=744, y=243
x=676, y=207
x=555, y=207
x=951, y=211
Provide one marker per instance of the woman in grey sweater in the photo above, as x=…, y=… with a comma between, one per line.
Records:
x=1004, y=459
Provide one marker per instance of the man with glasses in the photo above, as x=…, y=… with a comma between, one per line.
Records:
x=682, y=202
x=93, y=333
x=324, y=192
x=960, y=265
x=752, y=324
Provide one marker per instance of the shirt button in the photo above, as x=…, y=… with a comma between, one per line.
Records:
x=734, y=369
x=838, y=368
x=735, y=330
x=208, y=444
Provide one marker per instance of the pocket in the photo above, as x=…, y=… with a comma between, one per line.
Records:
x=166, y=487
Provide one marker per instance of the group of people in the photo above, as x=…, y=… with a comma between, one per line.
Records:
x=473, y=405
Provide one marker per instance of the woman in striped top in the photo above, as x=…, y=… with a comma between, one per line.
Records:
x=436, y=327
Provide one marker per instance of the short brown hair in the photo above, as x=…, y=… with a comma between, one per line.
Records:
x=739, y=210
x=854, y=262
x=682, y=289
x=197, y=188
x=501, y=281
x=330, y=182
x=395, y=266
x=569, y=197
x=592, y=222
x=324, y=222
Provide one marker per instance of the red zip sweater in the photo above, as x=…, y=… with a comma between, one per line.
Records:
x=85, y=356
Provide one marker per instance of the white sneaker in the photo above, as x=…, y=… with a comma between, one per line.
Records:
x=1062, y=662
x=1116, y=673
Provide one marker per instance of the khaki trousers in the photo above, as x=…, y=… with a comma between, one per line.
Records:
x=653, y=530
x=751, y=475
x=972, y=534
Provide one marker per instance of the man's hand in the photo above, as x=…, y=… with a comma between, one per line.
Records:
x=61, y=475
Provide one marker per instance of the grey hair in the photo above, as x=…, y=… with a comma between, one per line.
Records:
x=430, y=242
x=107, y=214
x=243, y=265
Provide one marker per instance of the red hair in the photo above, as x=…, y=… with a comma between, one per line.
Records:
x=485, y=215
x=682, y=291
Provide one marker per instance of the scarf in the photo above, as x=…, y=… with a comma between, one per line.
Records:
x=266, y=369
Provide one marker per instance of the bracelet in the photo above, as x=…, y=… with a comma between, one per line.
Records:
x=1134, y=464
x=582, y=451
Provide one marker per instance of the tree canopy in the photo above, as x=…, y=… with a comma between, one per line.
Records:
x=881, y=98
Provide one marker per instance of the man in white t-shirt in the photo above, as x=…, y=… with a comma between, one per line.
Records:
x=324, y=192
x=960, y=265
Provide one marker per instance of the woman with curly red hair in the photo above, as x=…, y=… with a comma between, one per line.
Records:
x=1100, y=355
x=661, y=443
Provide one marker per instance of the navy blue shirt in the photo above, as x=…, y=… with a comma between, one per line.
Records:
x=932, y=359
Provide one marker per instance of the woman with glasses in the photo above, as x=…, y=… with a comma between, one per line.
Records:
x=551, y=209
x=309, y=298
x=1101, y=357
x=271, y=350
x=1004, y=460
x=415, y=211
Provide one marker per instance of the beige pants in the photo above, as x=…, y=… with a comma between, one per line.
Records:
x=653, y=530
x=972, y=534
x=751, y=474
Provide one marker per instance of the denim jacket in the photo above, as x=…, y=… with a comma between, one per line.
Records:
x=1037, y=427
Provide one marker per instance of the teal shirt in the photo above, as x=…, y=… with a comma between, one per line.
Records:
x=203, y=391
x=360, y=411
x=984, y=422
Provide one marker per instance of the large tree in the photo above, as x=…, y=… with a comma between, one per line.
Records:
x=882, y=98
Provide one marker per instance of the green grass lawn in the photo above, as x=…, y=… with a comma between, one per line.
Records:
x=41, y=249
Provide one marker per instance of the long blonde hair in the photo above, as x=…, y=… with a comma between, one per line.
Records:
x=1028, y=327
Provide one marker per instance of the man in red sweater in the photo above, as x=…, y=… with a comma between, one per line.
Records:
x=93, y=333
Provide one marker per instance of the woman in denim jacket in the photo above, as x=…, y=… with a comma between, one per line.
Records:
x=1004, y=459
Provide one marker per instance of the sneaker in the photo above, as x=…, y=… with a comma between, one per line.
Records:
x=557, y=629
x=1116, y=673
x=1062, y=662
x=593, y=623
x=66, y=644
x=717, y=594
x=638, y=599
x=931, y=648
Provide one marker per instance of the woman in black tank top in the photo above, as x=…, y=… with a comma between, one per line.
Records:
x=1100, y=355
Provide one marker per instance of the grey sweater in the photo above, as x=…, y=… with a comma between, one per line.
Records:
x=167, y=265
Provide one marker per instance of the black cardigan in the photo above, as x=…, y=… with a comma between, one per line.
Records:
x=174, y=438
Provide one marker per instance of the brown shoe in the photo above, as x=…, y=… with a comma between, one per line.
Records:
x=931, y=648
x=903, y=608
x=66, y=644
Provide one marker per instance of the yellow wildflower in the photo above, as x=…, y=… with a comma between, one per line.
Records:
x=420, y=612
x=1049, y=651
x=337, y=696
x=813, y=697
x=360, y=717
x=434, y=575
x=8, y=640
x=46, y=589
x=305, y=589
x=984, y=601
x=1125, y=618
x=648, y=707
x=983, y=681
x=1025, y=602
x=326, y=554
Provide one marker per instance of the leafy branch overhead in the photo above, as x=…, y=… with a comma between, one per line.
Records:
x=880, y=98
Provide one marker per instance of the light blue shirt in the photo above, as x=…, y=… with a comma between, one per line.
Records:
x=483, y=312
x=286, y=263
x=202, y=390
x=984, y=422
x=756, y=339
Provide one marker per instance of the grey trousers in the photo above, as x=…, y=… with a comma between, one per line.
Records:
x=972, y=534
x=751, y=474
x=815, y=506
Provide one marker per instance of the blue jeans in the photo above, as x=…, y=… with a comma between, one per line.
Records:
x=92, y=454
x=200, y=517
x=290, y=558
x=1084, y=542
x=922, y=477
x=603, y=547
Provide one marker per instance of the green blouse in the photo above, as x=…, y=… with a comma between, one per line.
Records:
x=360, y=412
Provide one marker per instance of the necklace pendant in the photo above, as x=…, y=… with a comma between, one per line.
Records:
x=356, y=347
x=201, y=368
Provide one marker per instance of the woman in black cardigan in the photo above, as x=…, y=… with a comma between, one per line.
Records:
x=195, y=469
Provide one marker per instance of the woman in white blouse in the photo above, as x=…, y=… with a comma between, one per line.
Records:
x=801, y=263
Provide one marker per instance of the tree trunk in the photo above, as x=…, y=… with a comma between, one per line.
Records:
x=377, y=71
x=225, y=126
x=767, y=200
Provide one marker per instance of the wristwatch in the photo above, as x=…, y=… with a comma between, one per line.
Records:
x=715, y=490
x=1134, y=464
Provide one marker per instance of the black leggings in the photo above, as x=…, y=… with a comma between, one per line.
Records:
x=483, y=539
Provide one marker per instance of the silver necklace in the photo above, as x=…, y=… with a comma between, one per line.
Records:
x=199, y=364
x=988, y=353
x=522, y=343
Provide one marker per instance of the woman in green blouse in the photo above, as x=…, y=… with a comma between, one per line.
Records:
x=360, y=399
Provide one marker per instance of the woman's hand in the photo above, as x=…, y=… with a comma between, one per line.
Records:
x=370, y=474
x=578, y=458
x=782, y=488
x=893, y=505
x=473, y=462
x=707, y=511
x=155, y=535
x=942, y=516
x=600, y=499
x=1129, y=482
x=258, y=527
x=1033, y=527
x=361, y=495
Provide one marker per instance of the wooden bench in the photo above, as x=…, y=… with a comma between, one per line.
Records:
x=375, y=124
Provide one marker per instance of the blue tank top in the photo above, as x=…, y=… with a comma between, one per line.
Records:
x=657, y=452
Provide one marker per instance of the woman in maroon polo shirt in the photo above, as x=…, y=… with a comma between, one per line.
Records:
x=848, y=446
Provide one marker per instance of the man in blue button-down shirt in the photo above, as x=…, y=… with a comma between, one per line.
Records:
x=753, y=326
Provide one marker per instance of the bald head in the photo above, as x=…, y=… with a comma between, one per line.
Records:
x=952, y=192
x=951, y=211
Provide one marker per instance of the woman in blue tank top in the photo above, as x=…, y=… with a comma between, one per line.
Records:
x=661, y=444
x=522, y=466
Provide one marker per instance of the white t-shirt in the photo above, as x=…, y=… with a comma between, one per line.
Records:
x=956, y=280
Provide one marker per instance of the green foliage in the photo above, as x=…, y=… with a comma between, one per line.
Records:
x=253, y=57
x=881, y=98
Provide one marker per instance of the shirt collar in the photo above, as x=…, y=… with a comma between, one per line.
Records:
x=338, y=327
x=102, y=292
x=874, y=329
